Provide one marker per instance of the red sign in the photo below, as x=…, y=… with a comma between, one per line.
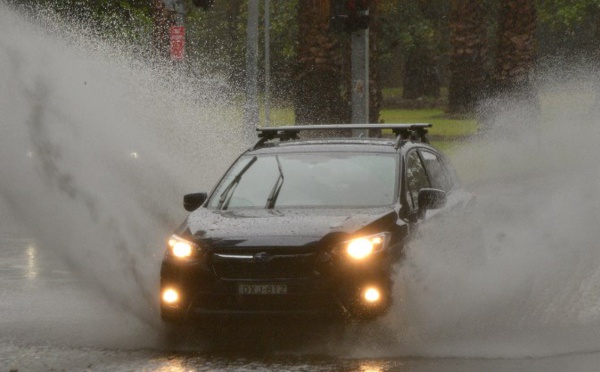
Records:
x=177, y=42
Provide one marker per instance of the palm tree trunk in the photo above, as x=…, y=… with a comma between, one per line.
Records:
x=468, y=57
x=318, y=76
x=516, y=51
x=375, y=95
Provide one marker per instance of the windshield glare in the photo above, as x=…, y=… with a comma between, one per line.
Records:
x=308, y=180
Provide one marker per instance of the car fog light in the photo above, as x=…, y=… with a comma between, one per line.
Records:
x=371, y=295
x=170, y=296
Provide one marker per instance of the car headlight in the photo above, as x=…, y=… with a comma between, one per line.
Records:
x=365, y=246
x=181, y=248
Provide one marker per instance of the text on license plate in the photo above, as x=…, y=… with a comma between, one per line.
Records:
x=262, y=289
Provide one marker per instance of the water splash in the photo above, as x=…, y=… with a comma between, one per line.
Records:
x=530, y=286
x=98, y=146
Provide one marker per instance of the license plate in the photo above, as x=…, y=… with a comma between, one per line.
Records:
x=262, y=289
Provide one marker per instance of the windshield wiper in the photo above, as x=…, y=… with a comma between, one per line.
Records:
x=276, y=188
x=228, y=190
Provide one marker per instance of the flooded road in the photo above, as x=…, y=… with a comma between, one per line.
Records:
x=54, y=317
x=97, y=148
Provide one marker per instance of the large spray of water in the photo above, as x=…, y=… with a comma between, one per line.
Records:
x=97, y=148
x=531, y=285
x=96, y=151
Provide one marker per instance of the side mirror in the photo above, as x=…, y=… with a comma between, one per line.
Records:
x=431, y=199
x=191, y=202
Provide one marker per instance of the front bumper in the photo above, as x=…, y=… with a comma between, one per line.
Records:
x=303, y=298
x=336, y=292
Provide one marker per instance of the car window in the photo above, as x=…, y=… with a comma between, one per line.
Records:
x=453, y=177
x=416, y=177
x=439, y=176
x=309, y=180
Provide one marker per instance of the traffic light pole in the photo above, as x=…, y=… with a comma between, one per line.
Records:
x=360, y=77
x=179, y=13
x=251, y=111
x=267, y=98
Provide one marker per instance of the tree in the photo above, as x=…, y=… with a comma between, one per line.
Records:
x=319, y=77
x=283, y=37
x=215, y=44
x=375, y=95
x=109, y=20
x=422, y=23
x=569, y=29
x=516, y=51
x=468, y=57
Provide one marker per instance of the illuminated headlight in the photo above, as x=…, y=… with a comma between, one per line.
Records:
x=371, y=295
x=170, y=296
x=363, y=247
x=181, y=248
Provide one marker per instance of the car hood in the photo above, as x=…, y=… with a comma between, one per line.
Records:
x=296, y=226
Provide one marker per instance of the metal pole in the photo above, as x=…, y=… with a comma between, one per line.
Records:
x=360, y=77
x=267, y=64
x=180, y=12
x=251, y=112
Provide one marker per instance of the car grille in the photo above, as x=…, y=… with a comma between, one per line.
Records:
x=276, y=266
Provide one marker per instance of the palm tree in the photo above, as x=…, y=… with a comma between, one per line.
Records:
x=516, y=52
x=319, y=77
x=468, y=57
x=421, y=76
x=375, y=95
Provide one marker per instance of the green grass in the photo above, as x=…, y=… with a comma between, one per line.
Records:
x=392, y=92
x=397, y=92
x=279, y=116
x=443, y=125
x=445, y=146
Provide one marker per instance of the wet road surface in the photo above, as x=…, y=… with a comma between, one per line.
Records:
x=53, y=318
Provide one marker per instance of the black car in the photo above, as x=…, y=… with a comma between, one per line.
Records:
x=307, y=226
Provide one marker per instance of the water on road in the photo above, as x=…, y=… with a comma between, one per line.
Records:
x=97, y=147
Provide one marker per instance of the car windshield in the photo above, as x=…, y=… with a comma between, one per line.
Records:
x=308, y=180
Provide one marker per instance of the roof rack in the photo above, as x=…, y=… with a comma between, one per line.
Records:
x=403, y=132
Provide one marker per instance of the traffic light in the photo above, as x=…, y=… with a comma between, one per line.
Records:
x=204, y=4
x=357, y=5
x=357, y=19
x=349, y=15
